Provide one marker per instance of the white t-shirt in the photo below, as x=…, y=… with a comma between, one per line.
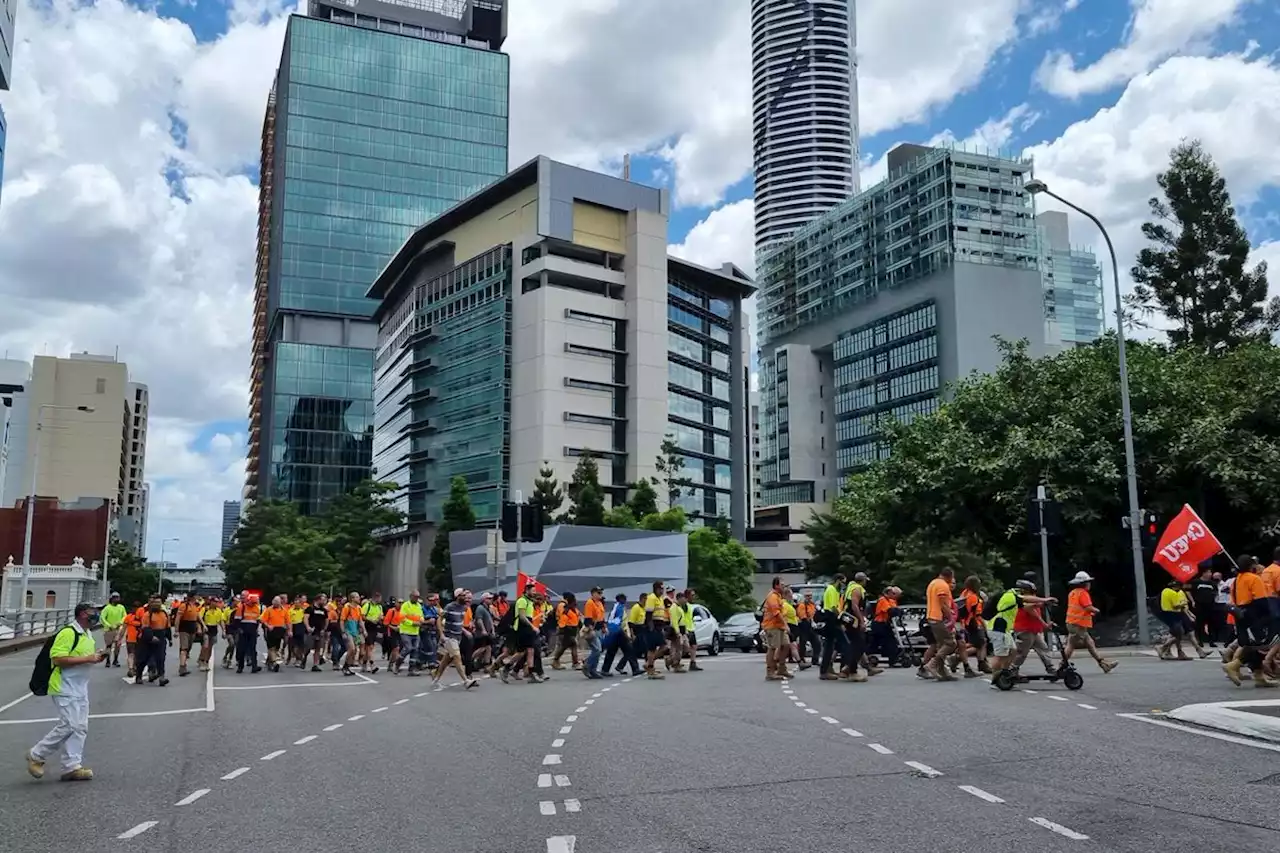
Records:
x=1224, y=591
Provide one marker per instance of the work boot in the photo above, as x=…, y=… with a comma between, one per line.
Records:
x=80, y=774
x=35, y=767
x=984, y=667
x=693, y=667
x=1108, y=665
x=829, y=676
x=1232, y=669
x=874, y=670
x=1260, y=680
x=857, y=678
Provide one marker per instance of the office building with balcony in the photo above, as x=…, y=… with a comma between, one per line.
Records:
x=383, y=116
x=1072, y=285
x=540, y=320
x=230, y=524
x=872, y=309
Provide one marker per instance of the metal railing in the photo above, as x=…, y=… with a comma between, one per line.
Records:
x=32, y=623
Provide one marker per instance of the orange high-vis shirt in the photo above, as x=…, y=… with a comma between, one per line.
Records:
x=1078, y=604
x=249, y=612
x=593, y=610
x=939, y=600
x=131, y=623
x=883, y=606
x=392, y=617
x=1248, y=588
x=973, y=606
x=567, y=617
x=1271, y=579
x=351, y=613
x=190, y=612
x=773, y=618
x=275, y=617
x=805, y=610
x=467, y=617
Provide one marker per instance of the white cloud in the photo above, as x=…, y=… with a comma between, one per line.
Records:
x=1107, y=163
x=1157, y=30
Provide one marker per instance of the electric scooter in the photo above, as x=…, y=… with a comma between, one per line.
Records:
x=1066, y=672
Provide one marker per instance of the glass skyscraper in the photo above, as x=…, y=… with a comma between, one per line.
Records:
x=1072, y=285
x=379, y=122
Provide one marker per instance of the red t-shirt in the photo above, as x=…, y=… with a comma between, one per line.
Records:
x=1028, y=619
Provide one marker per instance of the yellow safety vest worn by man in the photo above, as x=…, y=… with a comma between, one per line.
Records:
x=412, y=616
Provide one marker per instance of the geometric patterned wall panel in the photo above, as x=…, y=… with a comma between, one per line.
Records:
x=573, y=559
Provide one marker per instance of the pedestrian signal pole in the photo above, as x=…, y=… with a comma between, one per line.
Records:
x=1042, y=498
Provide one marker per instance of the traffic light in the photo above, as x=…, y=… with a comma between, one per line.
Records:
x=1150, y=529
x=522, y=522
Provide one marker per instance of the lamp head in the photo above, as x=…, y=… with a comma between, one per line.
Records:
x=1035, y=186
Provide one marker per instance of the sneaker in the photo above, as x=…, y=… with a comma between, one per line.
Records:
x=34, y=767
x=80, y=774
x=472, y=683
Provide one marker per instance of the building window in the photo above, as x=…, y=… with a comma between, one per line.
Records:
x=101, y=386
x=30, y=601
x=51, y=598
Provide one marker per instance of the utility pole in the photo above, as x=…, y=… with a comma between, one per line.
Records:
x=1042, y=497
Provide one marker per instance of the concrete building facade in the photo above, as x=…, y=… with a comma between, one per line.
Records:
x=383, y=116
x=8, y=8
x=804, y=71
x=540, y=320
x=871, y=310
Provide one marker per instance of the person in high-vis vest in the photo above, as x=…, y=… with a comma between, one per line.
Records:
x=1080, y=613
x=155, y=637
x=411, y=619
x=568, y=624
x=658, y=625
x=371, y=611
x=212, y=617
x=71, y=655
x=833, y=636
x=233, y=631
x=391, y=634
x=249, y=617
x=593, y=631
x=112, y=617
x=792, y=618
x=807, y=644
x=675, y=656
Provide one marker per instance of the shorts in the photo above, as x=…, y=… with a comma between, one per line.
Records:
x=526, y=637
x=482, y=641
x=184, y=640
x=776, y=638
x=977, y=636
x=1173, y=621
x=1078, y=632
x=110, y=636
x=372, y=631
x=942, y=634
x=449, y=646
x=275, y=637
x=1001, y=644
x=352, y=629
x=569, y=633
x=130, y=647
x=298, y=634
x=658, y=635
x=211, y=633
x=793, y=633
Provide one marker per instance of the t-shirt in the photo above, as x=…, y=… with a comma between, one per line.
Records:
x=773, y=613
x=657, y=605
x=525, y=610
x=1172, y=599
x=972, y=608
x=1029, y=620
x=1271, y=579
x=73, y=682
x=939, y=600
x=455, y=613
x=1078, y=604
x=411, y=618
x=789, y=613
x=317, y=617
x=831, y=598
x=636, y=614
x=482, y=620
x=112, y=616
x=1248, y=588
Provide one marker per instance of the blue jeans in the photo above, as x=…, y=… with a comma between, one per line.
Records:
x=593, y=655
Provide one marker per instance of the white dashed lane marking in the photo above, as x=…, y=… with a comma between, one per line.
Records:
x=981, y=794
x=562, y=781
x=832, y=720
x=547, y=807
x=923, y=769
x=562, y=843
x=557, y=743
x=548, y=760
x=572, y=718
x=581, y=710
x=378, y=710
x=239, y=771
x=1058, y=828
x=144, y=826
x=270, y=755
x=572, y=806
x=356, y=717
x=300, y=741
x=880, y=748
x=1087, y=707
x=811, y=710
x=564, y=730
x=192, y=797
x=852, y=732
x=402, y=702
x=333, y=728
x=1058, y=698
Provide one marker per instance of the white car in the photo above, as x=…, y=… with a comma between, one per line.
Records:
x=707, y=630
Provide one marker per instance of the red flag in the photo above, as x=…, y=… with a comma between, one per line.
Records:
x=523, y=580
x=1187, y=542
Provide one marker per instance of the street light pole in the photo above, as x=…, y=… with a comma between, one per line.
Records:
x=31, y=497
x=160, y=566
x=1036, y=187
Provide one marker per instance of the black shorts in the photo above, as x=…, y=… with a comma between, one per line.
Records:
x=482, y=640
x=188, y=626
x=977, y=635
x=211, y=631
x=793, y=632
x=372, y=631
x=569, y=633
x=525, y=638
x=275, y=636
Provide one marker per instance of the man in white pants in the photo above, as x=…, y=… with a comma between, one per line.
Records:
x=73, y=655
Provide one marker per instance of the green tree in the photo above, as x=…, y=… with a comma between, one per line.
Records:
x=643, y=500
x=277, y=550
x=456, y=515
x=129, y=576
x=548, y=494
x=1207, y=428
x=352, y=523
x=671, y=476
x=720, y=569
x=1195, y=272
x=586, y=494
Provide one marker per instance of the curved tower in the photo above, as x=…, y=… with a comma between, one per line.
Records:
x=805, y=102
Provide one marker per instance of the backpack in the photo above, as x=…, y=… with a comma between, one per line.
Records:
x=991, y=606
x=43, y=669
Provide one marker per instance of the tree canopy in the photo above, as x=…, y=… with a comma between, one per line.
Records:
x=586, y=494
x=277, y=550
x=351, y=523
x=548, y=494
x=456, y=515
x=956, y=483
x=129, y=576
x=1194, y=272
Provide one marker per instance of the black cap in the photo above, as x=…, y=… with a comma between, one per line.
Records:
x=597, y=589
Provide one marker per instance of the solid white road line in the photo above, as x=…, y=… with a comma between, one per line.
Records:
x=143, y=827
x=1143, y=718
x=572, y=718
x=271, y=755
x=239, y=771
x=557, y=743
x=378, y=710
x=356, y=717
x=1058, y=828
x=208, y=691
x=192, y=797
x=564, y=730
x=547, y=807
x=852, y=732
x=616, y=684
x=883, y=750
x=562, y=843
x=4, y=708
x=1087, y=707
x=402, y=702
x=923, y=769
x=981, y=794
x=562, y=781
x=307, y=739
x=548, y=760
x=572, y=806
x=832, y=720
x=333, y=728
x=1058, y=698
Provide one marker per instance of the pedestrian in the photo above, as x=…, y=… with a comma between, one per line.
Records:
x=1080, y=613
x=593, y=622
x=113, y=629
x=833, y=637
x=807, y=641
x=72, y=654
x=619, y=637
x=777, y=643
x=155, y=635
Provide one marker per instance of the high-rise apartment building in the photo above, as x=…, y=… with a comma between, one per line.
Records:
x=1072, y=285
x=132, y=523
x=230, y=523
x=871, y=310
x=540, y=320
x=383, y=116
x=804, y=71
x=4, y=131
x=7, y=10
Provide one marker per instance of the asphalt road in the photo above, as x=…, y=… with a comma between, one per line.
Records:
x=719, y=761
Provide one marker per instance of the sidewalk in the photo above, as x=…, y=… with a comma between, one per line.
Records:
x=1259, y=718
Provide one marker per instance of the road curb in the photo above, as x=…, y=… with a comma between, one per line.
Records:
x=1233, y=717
x=10, y=646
